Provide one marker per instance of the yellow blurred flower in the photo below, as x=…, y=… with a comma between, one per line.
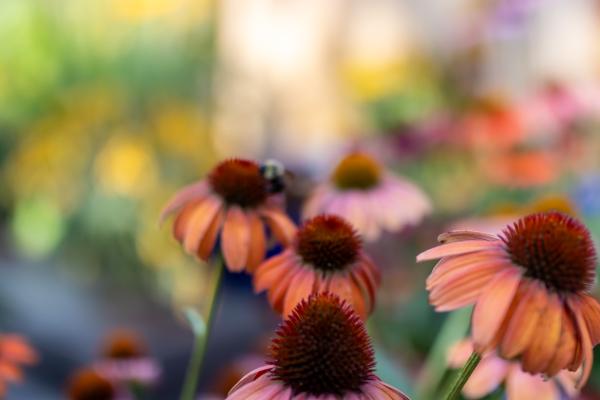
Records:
x=126, y=166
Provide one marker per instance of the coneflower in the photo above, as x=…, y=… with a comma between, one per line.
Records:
x=326, y=255
x=531, y=290
x=369, y=197
x=235, y=202
x=321, y=351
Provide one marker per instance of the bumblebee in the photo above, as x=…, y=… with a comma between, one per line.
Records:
x=275, y=174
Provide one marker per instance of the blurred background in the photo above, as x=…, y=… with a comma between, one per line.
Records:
x=108, y=106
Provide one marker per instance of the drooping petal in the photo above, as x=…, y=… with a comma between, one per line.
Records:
x=182, y=221
x=448, y=265
x=585, y=340
x=258, y=242
x=300, y=288
x=488, y=375
x=199, y=223
x=256, y=386
x=462, y=235
x=280, y=224
x=491, y=308
x=542, y=348
x=207, y=244
x=566, y=350
x=270, y=272
x=465, y=283
x=193, y=192
x=530, y=304
x=456, y=248
x=590, y=309
x=523, y=386
x=251, y=376
x=235, y=240
x=277, y=293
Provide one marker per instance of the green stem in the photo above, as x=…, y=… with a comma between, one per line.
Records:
x=463, y=376
x=200, y=340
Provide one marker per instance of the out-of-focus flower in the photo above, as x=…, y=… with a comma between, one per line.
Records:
x=87, y=384
x=124, y=360
x=321, y=351
x=492, y=371
x=369, y=197
x=499, y=137
x=236, y=199
x=326, y=255
x=126, y=166
x=530, y=286
x=15, y=352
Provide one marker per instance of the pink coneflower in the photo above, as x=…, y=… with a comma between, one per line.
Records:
x=321, y=351
x=87, y=384
x=492, y=371
x=369, y=197
x=326, y=255
x=235, y=197
x=530, y=286
x=125, y=360
x=15, y=352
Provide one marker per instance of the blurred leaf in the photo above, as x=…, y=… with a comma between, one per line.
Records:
x=196, y=322
x=455, y=328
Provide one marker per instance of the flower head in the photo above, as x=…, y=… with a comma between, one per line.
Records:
x=321, y=349
x=530, y=286
x=492, y=371
x=235, y=202
x=326, y=255
x=87, y=384
x=368, y=196
x=125, y=360
x=15, y=351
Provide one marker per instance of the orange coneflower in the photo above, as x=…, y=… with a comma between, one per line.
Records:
x=493, y=371
x=326, y=255
x=87, y=384
x=235, y=197
x=369, y=197
x=321, y=351
x=125, y=360
x=15, y=351
x=530, y=286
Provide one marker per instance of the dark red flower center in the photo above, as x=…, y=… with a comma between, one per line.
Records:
x=323, y=348
x=239, y=182
x=356, y=171
x=553, y=248
x=328, y=243
x=124, y=345
x=89, y=385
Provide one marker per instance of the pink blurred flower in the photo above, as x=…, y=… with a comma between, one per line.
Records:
x=234, y=200
x=326, y=255
x=369, y=197
x=492, y=371
x=321, y=351
x=125, y=361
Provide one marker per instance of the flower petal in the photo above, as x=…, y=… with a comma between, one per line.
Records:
x=270, y=272
x=300, y=288
x=488, y=375
x=462, y=235
x=523, y=386
x=530, y=304
x=492, y=306
x=455, y=248
x=258, y=242
x=207, y=244
x=280, y=224
x=199, y=223
x=566, y=350
x=235, y=240
x=193, y=192
x=585, y=340
x=542, y=348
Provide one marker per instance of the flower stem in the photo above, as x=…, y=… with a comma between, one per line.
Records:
x=463, y=376
x=201, y=334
